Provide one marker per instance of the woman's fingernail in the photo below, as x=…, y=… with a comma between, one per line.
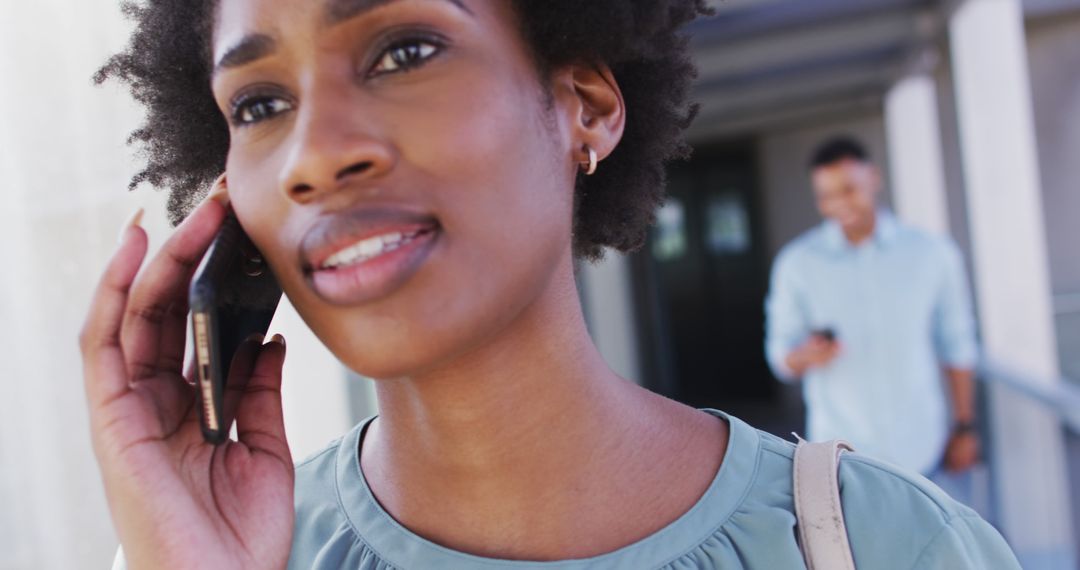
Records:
x=220, y=197
x=219, y=191
x=132, y=222
x=278, y=339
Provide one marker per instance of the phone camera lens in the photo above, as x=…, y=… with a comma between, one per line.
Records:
x=254, y=266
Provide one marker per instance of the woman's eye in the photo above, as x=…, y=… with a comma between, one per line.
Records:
x=255, y=109
x=404, y=56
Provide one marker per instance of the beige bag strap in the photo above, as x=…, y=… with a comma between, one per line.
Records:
x=822, y=533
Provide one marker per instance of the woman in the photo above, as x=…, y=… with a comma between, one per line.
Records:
x=420, y=175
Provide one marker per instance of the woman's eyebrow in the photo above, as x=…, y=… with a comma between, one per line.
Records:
x=338, y=11
x=254, y=47
x=251, y=48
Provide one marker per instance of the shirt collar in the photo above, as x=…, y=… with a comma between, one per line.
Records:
x=885, y=231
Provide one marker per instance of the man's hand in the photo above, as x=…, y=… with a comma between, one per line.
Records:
x=962, y=451
x=816, y=352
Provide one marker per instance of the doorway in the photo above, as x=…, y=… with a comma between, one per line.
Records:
x=700, y=285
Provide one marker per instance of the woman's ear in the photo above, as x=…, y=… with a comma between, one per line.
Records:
x=595, y=107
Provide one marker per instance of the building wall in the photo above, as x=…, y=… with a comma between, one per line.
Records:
x=65, y=168
x=955, y=191
x=1054, y=56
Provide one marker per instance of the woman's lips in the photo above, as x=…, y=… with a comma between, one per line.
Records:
x=359, y=256
x=374, y=277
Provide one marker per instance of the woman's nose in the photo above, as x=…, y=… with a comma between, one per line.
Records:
x=333, y=145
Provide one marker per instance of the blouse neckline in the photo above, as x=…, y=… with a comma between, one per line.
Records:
x=400, y=547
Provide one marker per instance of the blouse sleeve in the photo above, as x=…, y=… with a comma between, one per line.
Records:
x=967, y=542
x=901, y=521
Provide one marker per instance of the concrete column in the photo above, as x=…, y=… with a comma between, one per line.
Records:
x=913, y=130
x=1011, y=273
x=608, y=301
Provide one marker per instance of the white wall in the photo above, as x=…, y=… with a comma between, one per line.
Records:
x=607, y=300
x=65, y=167
x=1054, y=60
x=954, y=172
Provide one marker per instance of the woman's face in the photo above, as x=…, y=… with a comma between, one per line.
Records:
x=400, y=167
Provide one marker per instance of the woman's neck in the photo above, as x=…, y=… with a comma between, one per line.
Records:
x=534, y=435
x=541, y=377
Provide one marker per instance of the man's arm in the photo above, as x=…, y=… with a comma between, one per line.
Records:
x=957, y=349
x=790, y=348
x=962, y=390
x=783, y=318
x=962, y=451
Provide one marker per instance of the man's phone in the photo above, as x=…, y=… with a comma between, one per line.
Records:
x=233, y=297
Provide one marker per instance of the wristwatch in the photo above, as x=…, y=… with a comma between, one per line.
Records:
x=961, y=428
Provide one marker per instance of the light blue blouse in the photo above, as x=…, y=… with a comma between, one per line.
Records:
x=745, y=519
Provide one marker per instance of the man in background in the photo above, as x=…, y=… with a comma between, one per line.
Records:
x=870, y=314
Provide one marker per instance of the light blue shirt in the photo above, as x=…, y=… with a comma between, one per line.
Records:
x=745, y=519
x=900, y=308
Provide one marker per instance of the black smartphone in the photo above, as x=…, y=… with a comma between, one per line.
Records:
x=233, y=296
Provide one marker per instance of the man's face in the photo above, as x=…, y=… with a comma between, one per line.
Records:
x=846, y=192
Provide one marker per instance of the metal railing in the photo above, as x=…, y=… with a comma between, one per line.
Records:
x=1067, y=304
x=1061, y=397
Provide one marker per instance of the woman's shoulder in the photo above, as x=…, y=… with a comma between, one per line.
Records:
x=322, y=530
x=866, y=484
x=894, y=518
x=316, y=474
x=893, y=513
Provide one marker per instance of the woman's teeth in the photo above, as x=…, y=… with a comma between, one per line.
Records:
x=369, y=248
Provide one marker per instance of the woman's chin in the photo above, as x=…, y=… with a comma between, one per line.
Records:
x=387, y=365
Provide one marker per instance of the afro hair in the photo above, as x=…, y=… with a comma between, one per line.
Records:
x=185, y=138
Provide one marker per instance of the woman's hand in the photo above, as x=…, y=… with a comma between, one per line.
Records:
x=176, y=501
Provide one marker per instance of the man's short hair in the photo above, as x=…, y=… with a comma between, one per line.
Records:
x=837, y=149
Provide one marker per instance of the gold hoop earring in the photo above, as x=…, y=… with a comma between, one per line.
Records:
x=590, y=168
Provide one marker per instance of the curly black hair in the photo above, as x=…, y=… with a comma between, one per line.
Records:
x=185, y=138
